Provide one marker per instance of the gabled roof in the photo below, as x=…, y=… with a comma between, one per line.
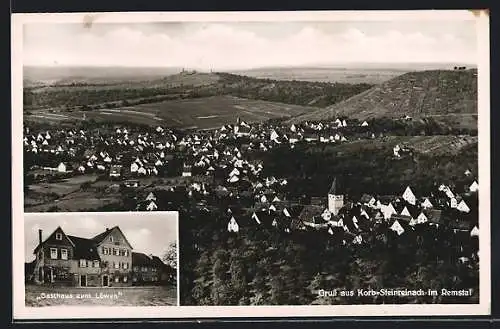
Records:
x=413, y=210
x=100, y=237
x=158, y=262
x=84, y=248
x=297, y=224
x=57, y=229
x=141, y=259
x=408, y=190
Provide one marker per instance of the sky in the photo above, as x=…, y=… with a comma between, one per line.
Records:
x=247, y=45
x=149, y=233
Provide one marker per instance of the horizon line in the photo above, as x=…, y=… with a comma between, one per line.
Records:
x=319, y=65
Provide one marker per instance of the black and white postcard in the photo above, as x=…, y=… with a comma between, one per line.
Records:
x=320, y=163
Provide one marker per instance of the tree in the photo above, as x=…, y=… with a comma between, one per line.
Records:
x=170, y=256
x=238, y=279
x=203, y=282
x=221, y=289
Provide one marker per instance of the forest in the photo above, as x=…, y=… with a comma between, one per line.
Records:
x=269, y=267
x=310, y=169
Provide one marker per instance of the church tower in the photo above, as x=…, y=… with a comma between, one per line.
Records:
x=237, y=125
x=335, y=200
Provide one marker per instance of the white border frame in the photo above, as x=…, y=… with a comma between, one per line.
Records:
x=20, y=312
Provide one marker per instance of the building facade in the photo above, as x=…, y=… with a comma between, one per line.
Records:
x=105, y=260
x=149, y=269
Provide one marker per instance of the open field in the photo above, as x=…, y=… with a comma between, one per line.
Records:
x=68, y=196
x=200, y=113
x=38, y=296
x=170, y=81
x=341, y=75
x=77, y=201
x=65, y=186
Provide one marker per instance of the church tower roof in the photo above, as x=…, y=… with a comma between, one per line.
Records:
x=334, y=187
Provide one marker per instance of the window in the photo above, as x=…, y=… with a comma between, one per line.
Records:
x=116, y=252
x=53, y=253
x=59, y=236
x=116, y=265
x=64, y=254
x=83, y=263
x=105, y=251
x=125, y=266
x=144, y=269
x=96, y=263
x=111, y=238
x=125, y=279
x=117, y=279
x=136, y=268
x=126, y=253
x=153, y=269
x=122, y=252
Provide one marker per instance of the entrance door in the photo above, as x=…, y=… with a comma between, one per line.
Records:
x=83, y=280
x=105, y=281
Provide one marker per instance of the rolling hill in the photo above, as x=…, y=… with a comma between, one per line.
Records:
x=74, y=95
x=436, y=93
x=195, y=113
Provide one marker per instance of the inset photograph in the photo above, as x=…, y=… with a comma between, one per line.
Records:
x=103, y=259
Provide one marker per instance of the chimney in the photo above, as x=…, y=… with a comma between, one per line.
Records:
x=39, y=236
